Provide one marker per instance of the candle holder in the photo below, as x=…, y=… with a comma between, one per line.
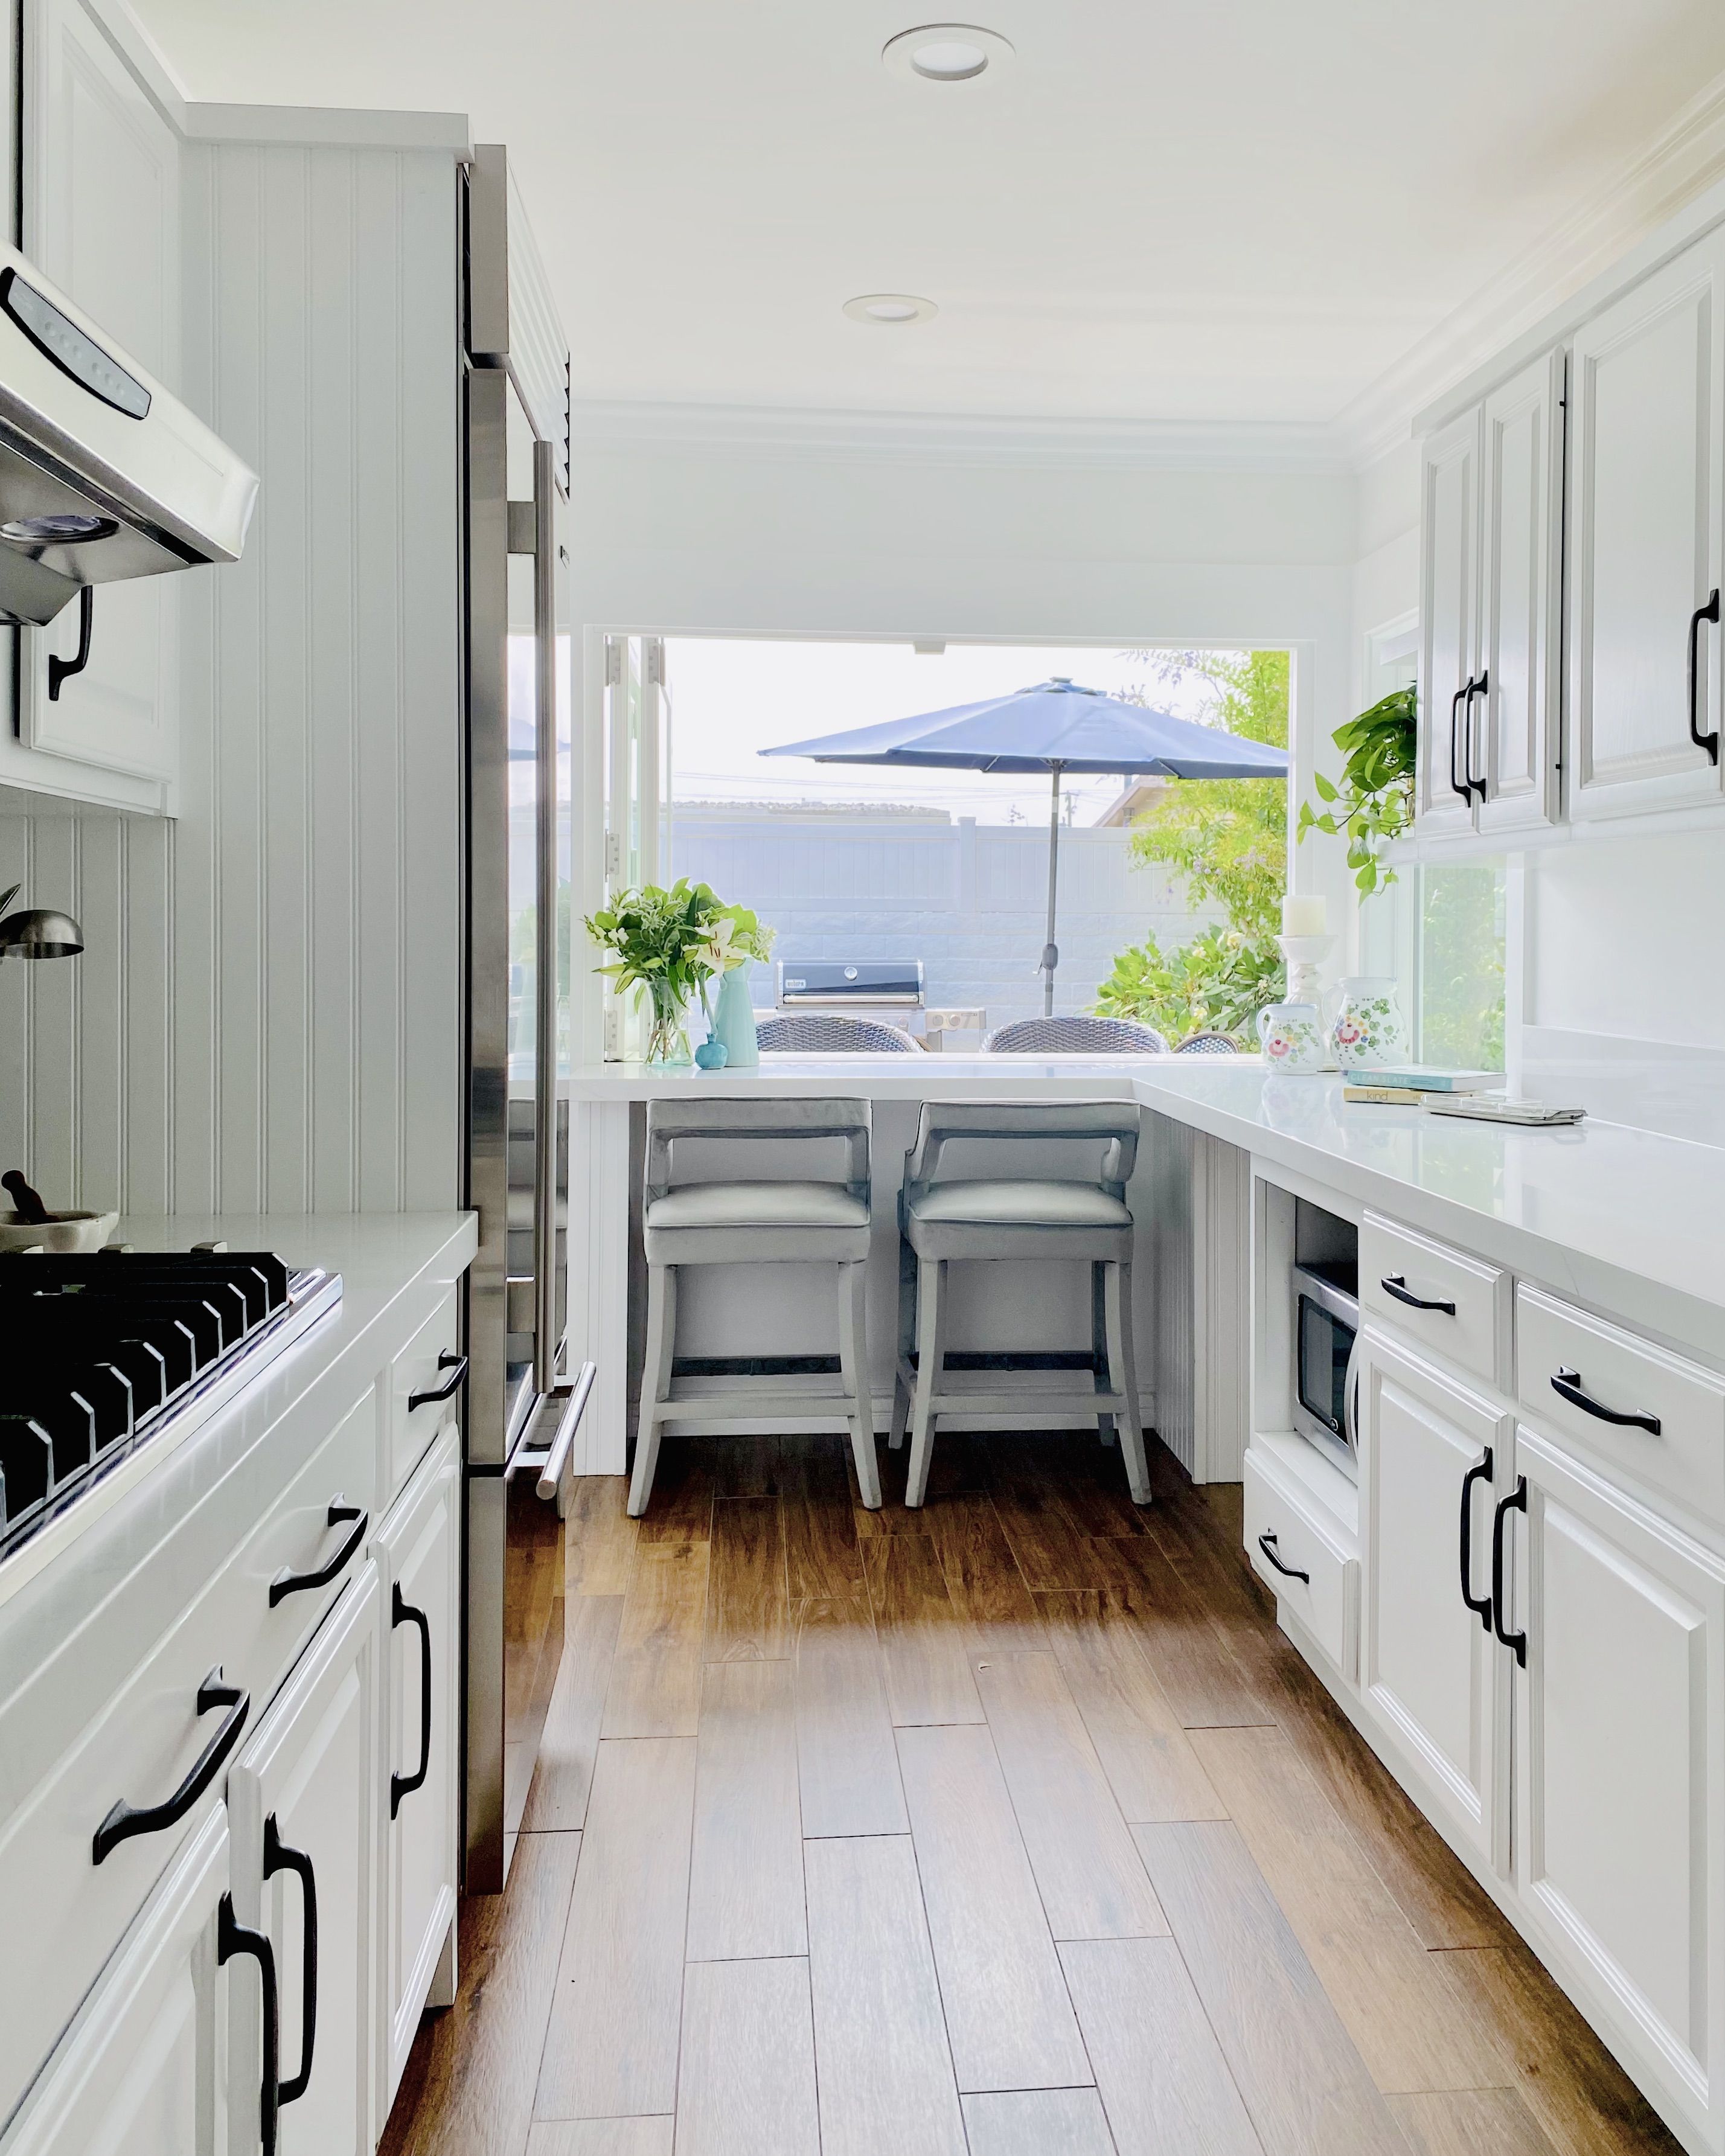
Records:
x=1304, y=955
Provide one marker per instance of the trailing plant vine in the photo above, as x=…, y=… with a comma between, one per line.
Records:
x=1374, y=802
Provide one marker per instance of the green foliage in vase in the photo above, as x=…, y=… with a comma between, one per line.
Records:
x=1229, y=838
x=1374, y=802
x=675, y=940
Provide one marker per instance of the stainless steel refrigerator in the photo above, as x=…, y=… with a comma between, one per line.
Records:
x=523, y=1404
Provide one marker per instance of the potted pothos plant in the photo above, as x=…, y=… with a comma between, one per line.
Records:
x=668, y=945
x=1374, y=802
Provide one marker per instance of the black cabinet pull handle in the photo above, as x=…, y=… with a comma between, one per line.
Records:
x=403, y=1612
x=233, y=1937
x=1709, y=612
x=1568, y=1383
x=1480, y=1604
x=61, y=670
x=1396, y=1284
x=1516, y=1501
x=278, y=1857
x=456, y=1365
x=1293, y=1571
x=1482, y=687
x=124, y=1820
x=289, y=1582
x=1455, y=784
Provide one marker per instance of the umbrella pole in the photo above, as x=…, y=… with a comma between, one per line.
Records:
x=1050, y=951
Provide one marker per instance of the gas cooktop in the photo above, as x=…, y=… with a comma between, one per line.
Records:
x=100, y=1354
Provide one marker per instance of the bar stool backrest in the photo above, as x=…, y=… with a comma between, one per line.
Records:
x=758, y=1122
x=1112, y=1124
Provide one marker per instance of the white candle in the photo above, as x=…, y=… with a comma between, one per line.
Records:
x=1304, y=917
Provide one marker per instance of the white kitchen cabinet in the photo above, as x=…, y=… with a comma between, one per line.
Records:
x=418, y=1552
x=136, y=2074
x=303, y=1802
x=1449, y=619
x=1491, y=549
x=1619, y=1866
x=1431, y=1673
x=101, y=216
x=1515, y=717
x=1647, y=390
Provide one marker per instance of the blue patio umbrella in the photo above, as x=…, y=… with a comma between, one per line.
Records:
x=1055, y=726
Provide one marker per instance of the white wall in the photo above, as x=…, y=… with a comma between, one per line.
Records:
x=267, y=1014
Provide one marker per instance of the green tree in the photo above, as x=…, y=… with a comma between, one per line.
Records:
x=1229, y=838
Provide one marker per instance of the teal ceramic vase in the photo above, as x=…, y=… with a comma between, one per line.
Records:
x=734, y=1021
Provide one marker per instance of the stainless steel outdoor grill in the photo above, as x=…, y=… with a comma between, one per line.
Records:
x=855, y=985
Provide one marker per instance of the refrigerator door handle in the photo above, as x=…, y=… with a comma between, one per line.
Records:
x=545, y=1035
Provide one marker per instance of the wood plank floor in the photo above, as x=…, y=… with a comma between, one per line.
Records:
x=1012, y=1826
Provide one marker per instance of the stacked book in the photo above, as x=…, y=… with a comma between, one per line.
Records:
x=1475, y=1094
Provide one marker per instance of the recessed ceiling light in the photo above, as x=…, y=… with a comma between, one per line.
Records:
x=946, y=52
x=891, y=310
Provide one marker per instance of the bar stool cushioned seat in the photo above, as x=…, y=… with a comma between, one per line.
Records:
x=754, y=1221
x=977, y=1220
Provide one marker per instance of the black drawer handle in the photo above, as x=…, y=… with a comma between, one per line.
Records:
x=1516, y=1501
x=1480, y=1604
x=289, y=1582
x=1455, y=784
x=1568, y=1384
x=124, y=1820
x=1292, y=1571
x=1709, y=612
x=233, y=1937
x=403, y=1612
x=456, y=1365
x=1396, y=1284
x=278, y=1857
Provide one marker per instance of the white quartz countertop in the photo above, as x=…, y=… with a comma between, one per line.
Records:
x=1628, y=1220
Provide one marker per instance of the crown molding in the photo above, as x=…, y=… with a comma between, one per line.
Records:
x=794, y=432
x=1686, y=157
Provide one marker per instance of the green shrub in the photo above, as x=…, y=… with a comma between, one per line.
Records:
x=1218, y=982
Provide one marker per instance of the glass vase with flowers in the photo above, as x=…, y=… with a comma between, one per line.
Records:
x=668, y=945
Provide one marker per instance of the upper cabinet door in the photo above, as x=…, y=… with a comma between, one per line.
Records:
x=101, y=216
x=1514, y=729
x=1644, y=451
x=1449, y=615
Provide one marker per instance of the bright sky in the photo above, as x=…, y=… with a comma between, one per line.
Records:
x=731, y=697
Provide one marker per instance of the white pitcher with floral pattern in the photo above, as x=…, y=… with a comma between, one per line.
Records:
x=1369, y=1030
x=1292, y=1037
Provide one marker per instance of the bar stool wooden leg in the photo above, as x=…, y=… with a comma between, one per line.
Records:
x=906, y=1341
x=1124, y=1370
x=656, y=1381
x=931, y=1364
x=1099, y=1345
x=854, y=1363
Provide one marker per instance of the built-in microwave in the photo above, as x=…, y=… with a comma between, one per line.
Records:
x=1326, y=1340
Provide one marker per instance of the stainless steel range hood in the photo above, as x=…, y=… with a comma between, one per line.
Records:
x=103, y=473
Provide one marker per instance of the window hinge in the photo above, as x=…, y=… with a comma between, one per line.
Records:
x=613, y=663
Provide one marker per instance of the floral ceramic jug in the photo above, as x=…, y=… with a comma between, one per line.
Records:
x=1369, y=1030
x=1292, y=1035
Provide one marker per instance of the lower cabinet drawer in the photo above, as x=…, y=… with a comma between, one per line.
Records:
x=1442, y=1298
x=1305, y=1557
x=424, y=1371
x=1631, y=1404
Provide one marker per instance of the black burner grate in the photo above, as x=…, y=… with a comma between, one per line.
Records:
x=93, y=1350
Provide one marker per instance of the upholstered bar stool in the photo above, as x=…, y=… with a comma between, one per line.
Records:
x=1031, y=1215
x=752, y=1223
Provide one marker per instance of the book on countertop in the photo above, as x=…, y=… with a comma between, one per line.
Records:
x=1493, y=1108
x=1427, y=1078
x=1390, y=1096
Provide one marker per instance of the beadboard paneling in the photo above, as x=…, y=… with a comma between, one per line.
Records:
x=267, y=1014
x=1202, y=1195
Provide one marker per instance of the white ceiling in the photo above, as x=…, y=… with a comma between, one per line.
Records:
x=1220, y=210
